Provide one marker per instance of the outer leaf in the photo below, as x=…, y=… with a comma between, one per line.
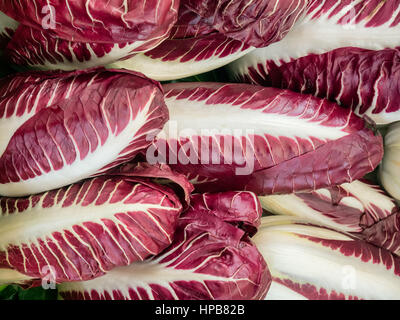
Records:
x=363, y=80
x=180, y=58
x=329, y=25
x=37, y=293
x=317, y=263
x=358, y=207
x=385, y=233
x=114, y=21
x=87, y=229
x=236, y=137
x=40, y=49
x=256, y=23
x=330, y=54
x=210, y=258
x=59, y=128
x=9, y=276
x=350, y=207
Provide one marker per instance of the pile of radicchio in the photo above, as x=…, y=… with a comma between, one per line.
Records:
x=114, y=185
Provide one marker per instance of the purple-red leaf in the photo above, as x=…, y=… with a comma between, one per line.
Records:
x=7, y=29
x=58, y=128
x=265, y=140
x=211, y=258
x=189, y=25
x=256, y=23
x=114, y=21
x=40, y=49
x=385, y=233
x=82, y=231
x=316, y=263
x=389, y=168
x=346, y=51
x=363, y=80
x=179, y=58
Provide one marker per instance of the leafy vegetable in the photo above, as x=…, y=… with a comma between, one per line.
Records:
x=97, y=21
x=180, y=58
x=92, y=121
x=82, y=231
x=38, y=49
x=211, y=258
x=257, y=24
x=266, y=140
x=309, y=262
